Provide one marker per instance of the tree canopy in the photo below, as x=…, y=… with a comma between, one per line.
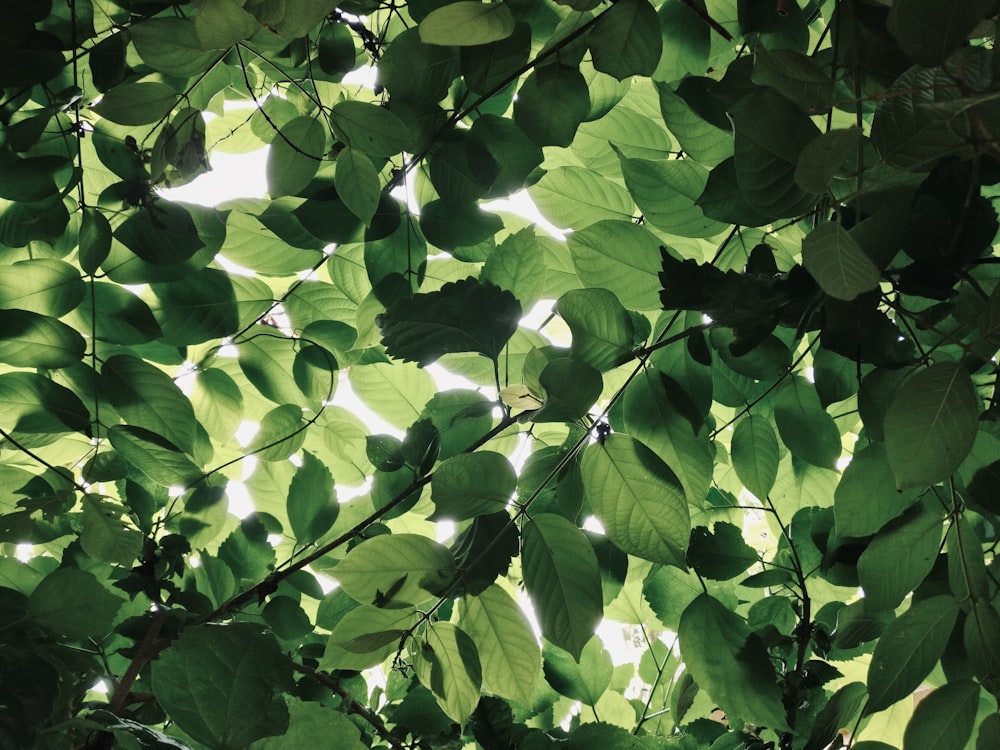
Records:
x=746, y=408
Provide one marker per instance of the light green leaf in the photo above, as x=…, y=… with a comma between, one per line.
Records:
x=307, y=722
x=41, y=285
x=117, y=315
x=626, y=40
x=217, y=402
x=447, y=664
x=835, y=259
x=465, y=24
x=755, y=456
x=900, y=556
x=603, y=334
x=931, y=424
x=909, y=648
x=396, y=392
x=687, y=41
x=395, y=570
x=584, y=679
x=357, y=183
x=507, y=647
x=154, y=456
x=221, y=684
x=369, y=128
x=561, y=575
x=28, y=339
x=295, y=154
x=620, y=256
x=31, y=403
x=944, y=719
x=576, y=197
x=638, y=500
x=170, y=46
x=105, y=536
x=702, y=141
x=222, y=23
x=518, y=265
x=470, y=484
x=866, y=498
x=804, y=426
x=145, y=396
x=732, y=665
x=280, y=434
x=137, y=103
x=74, y=604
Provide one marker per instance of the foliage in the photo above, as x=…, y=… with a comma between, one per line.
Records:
x=747, y=409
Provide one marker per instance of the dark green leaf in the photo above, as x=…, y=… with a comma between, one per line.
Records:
x=74, y=604
x=841, y=268
x=626, y=40
x=220, y=684
x=584, y=679
x=908, y=650
x=28, y=339
x=944, y=719
x=463, y=316
x=603, y=333
x=805, y=428
x=137, y=103
x=472, y=484
x=551, y=104
x=295, y=154
x=452, y=225
x=720, y=554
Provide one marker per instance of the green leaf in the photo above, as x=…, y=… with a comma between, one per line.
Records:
x=396, y=392
x=626, y=40
x=981, y=636
x=944, y=719
x=584, y=679
x=470, y=484
x=416, y=72
x=395, y=570
x=967, y=574
x=298, y=17
x=448, y=665
x=310, y=720
x=755, y=455
x=908, y=649
x=561, y=575
x=280, y=434
x=463, y=316
x=666, y=191
x=840, y=711
x=295, y=154
x=931, y=424
x=137, y=103
x=770, y=133
x=603, y=333
x=105, y=536
x=490, y=65
x=221, y=23
x=795, y=76
x=217, y=402
x=369, y=128
x=266, y=360
x=687, y=41
x=835, y=259
x=701, y=140
x=638, y=500
x=28, y=339
x=622, y=257
x=312, y=503
x=94, y=239
x=720, y=554
x=365, y=636
x=989, y=732
x=74, y=604
x=357, y=183
x=576, y=197
x=804, y=426
x=570, y=388
x=551, y=104
x=221, y=683
x=145, y=396
x=474, y=22
x=866, y=498
x=508, y=651
x=518, y=266
x=452, y=225
x=120, y=316
x=928, y=30
x=170, y=46
x=41, y=285
x=32, y=403
x=824, y=157
x=154, y=456
x=732, y=665
x=900, y=556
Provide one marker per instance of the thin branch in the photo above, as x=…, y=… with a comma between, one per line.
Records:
x=717, y=27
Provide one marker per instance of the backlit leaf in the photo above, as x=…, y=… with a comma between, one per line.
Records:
x=73, y=603
x=755, y=454
x=357, y=183
x=474, y=22
x=805, y=428
x=470, y=484
x=638, y=500
x=626, y=39
x=294, y=156
x=839, y=265
x=28, y=339
x=931, y=424
x=395, y=570
x=561, y=575
x=448, y=665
